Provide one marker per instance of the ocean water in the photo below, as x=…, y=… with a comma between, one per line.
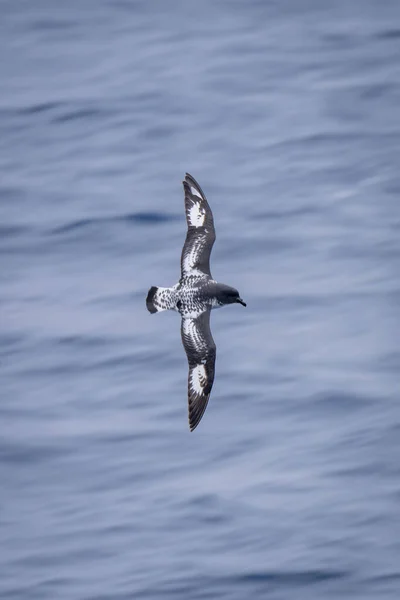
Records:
x=288, y=115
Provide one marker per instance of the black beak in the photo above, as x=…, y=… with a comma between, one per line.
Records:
x=241, y=302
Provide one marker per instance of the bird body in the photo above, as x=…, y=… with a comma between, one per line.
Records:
x=190, y=297
x=194, y=296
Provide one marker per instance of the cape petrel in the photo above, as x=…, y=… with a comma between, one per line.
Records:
x=194, y=296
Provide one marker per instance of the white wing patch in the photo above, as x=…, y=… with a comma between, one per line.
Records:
x=197, y=215
x=198, y=379
x=200, y=351
x=195, y=192
x=200, y=236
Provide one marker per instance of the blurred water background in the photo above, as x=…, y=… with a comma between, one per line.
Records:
x=288, y=115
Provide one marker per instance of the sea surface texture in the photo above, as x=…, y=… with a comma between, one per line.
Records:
x=288, y=114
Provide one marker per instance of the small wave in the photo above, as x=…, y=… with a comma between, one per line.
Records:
x=139, y=217
x=11, y=193
x=292, y=578
x=42, y=107
x=9, y=231
x=80, y=113
x=10, y=344
x=21, y=453
x=386, y=578
x=339, y=401
x=389, y=34
x=150, y=217
x=28, y=110
x=61, y=112
x=81, y=223
x=86, y=341
x=284, y=213
x=55, y=24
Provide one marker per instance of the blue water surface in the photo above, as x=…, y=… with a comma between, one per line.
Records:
x=288, y=115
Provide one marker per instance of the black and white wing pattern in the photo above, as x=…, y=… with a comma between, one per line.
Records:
x=195, y=259
x=201, y=351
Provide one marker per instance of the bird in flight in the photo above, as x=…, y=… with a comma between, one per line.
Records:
x=195, y=294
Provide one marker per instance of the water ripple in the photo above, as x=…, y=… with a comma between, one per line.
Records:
x=151, y=218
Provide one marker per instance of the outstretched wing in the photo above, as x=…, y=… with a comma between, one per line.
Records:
x=195, y=259
x=201, y=351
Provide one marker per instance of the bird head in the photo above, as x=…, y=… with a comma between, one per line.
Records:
x=228, y=295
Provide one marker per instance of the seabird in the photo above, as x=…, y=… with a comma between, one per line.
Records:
x=195, y=294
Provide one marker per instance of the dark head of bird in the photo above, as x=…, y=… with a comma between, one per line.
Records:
x=228, y=295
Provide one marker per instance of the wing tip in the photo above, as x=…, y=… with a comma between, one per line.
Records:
x=190, y=181
x=193, y=424
x=186, y=178
x=196, y=413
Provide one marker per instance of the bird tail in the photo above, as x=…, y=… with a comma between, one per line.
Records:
x=160, y=298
